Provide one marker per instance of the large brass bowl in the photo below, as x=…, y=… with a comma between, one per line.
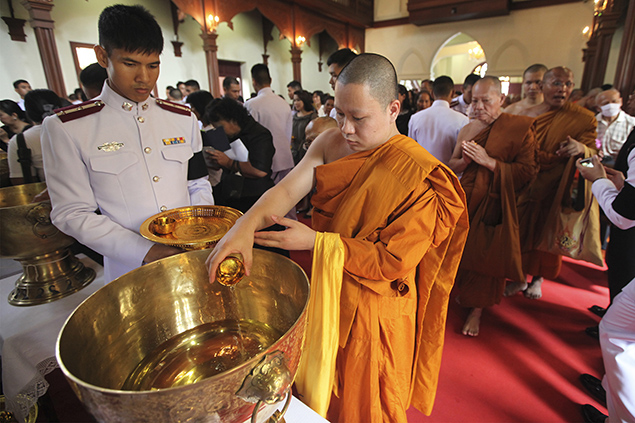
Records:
x=50, y=270
x=111, y=332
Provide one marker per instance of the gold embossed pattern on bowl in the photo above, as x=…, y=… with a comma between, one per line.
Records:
x=190, y=228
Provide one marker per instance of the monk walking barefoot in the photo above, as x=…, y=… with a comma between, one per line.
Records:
x=534, y=290
x=473, y=322
x=514, y=288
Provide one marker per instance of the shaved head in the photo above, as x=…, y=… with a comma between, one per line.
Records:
x=492, y=82
x=558, y=71
x=374, y=71
x=317, y=126
x=538, y=67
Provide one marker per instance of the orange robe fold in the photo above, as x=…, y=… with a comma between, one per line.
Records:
x=552, y=128
x=510, y=140
x=402, y=220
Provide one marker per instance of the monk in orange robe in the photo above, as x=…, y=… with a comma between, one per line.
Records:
x=398, y=218
x=564, y=131
x=500, y=160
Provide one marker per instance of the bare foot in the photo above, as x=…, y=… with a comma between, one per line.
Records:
x=534, y=290
x=472, y=323
x=514, y=288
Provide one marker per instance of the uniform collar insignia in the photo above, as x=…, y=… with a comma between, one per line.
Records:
x=126, y=106
x=110, y=146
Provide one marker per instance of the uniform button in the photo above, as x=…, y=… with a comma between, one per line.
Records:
x=163, y=208
x=148, y=150
x=155, y=178
x=141, y=119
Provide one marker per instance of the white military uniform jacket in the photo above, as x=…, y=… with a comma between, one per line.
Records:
x=128, y=160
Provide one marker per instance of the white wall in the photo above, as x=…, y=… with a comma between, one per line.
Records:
x=77, y=21
x=551, y=35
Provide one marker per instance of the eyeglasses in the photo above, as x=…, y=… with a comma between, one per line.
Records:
x=559, y=84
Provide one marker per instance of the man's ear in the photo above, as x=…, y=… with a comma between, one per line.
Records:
x=102, y=56
x=394, y=107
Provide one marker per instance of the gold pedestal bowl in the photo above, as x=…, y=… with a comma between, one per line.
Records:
x=163, y=344
x=50, y=270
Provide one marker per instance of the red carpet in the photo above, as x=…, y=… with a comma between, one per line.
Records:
x=523, y=367
x=525, y=364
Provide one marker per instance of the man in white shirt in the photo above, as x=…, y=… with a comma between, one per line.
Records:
x=272, y=112
x=462, y=102
x=614, y=124
x=437, y=127
x=21, y=87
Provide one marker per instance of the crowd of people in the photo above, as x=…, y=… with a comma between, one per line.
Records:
x=412, y=193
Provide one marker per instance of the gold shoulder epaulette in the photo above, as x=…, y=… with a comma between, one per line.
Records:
x=79, y=110
x=174, y=107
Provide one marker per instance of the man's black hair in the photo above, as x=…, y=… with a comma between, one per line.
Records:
x=179, y=83
x=20, y=81
x=469, y=81
x=40, y=104
x=296, y=85
x=442, y=86
x=260, y=74
x=130, y=28
x=199, y=100
x=228, y=81
x=227, y=109
x=93, y=76
x=341, y=57
x=192, y=83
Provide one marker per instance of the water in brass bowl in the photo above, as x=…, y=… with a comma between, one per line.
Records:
x=50, y=270
x=163, y=344
x=201, y=352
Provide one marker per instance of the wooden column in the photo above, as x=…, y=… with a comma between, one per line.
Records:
x=625, y=72
x=43, y=25
x=211, y=59
x=296, y=60
x=596, y=55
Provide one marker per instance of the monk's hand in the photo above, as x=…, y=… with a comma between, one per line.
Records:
x=616, y=177
x=238, y=240
x=159, y=251
x=297, y=236
x=591, y=173
x=478, y=154
x=570, y=148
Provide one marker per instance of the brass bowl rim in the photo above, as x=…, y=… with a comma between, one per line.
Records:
x=145, y=229
x=255, y=359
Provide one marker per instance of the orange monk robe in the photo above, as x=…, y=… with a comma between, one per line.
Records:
x=510, y=140
x=402, y=220
x=552, y=128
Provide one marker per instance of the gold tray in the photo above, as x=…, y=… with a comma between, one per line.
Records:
x=190, y=228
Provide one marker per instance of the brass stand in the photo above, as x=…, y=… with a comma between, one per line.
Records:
x=49, y=277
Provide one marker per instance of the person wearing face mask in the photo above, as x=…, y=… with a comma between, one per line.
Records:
x=614, y=124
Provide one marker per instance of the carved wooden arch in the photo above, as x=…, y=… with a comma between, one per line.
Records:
x=277, y=12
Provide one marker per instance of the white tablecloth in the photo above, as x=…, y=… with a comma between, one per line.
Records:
x=27, y=345
x=27, y=340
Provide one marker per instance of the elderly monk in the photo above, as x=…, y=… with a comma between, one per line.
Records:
x=564, y=131
x=532, y=77
x=496, y=151
x=391, y=225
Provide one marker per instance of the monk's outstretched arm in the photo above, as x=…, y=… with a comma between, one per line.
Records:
x=277, y=201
